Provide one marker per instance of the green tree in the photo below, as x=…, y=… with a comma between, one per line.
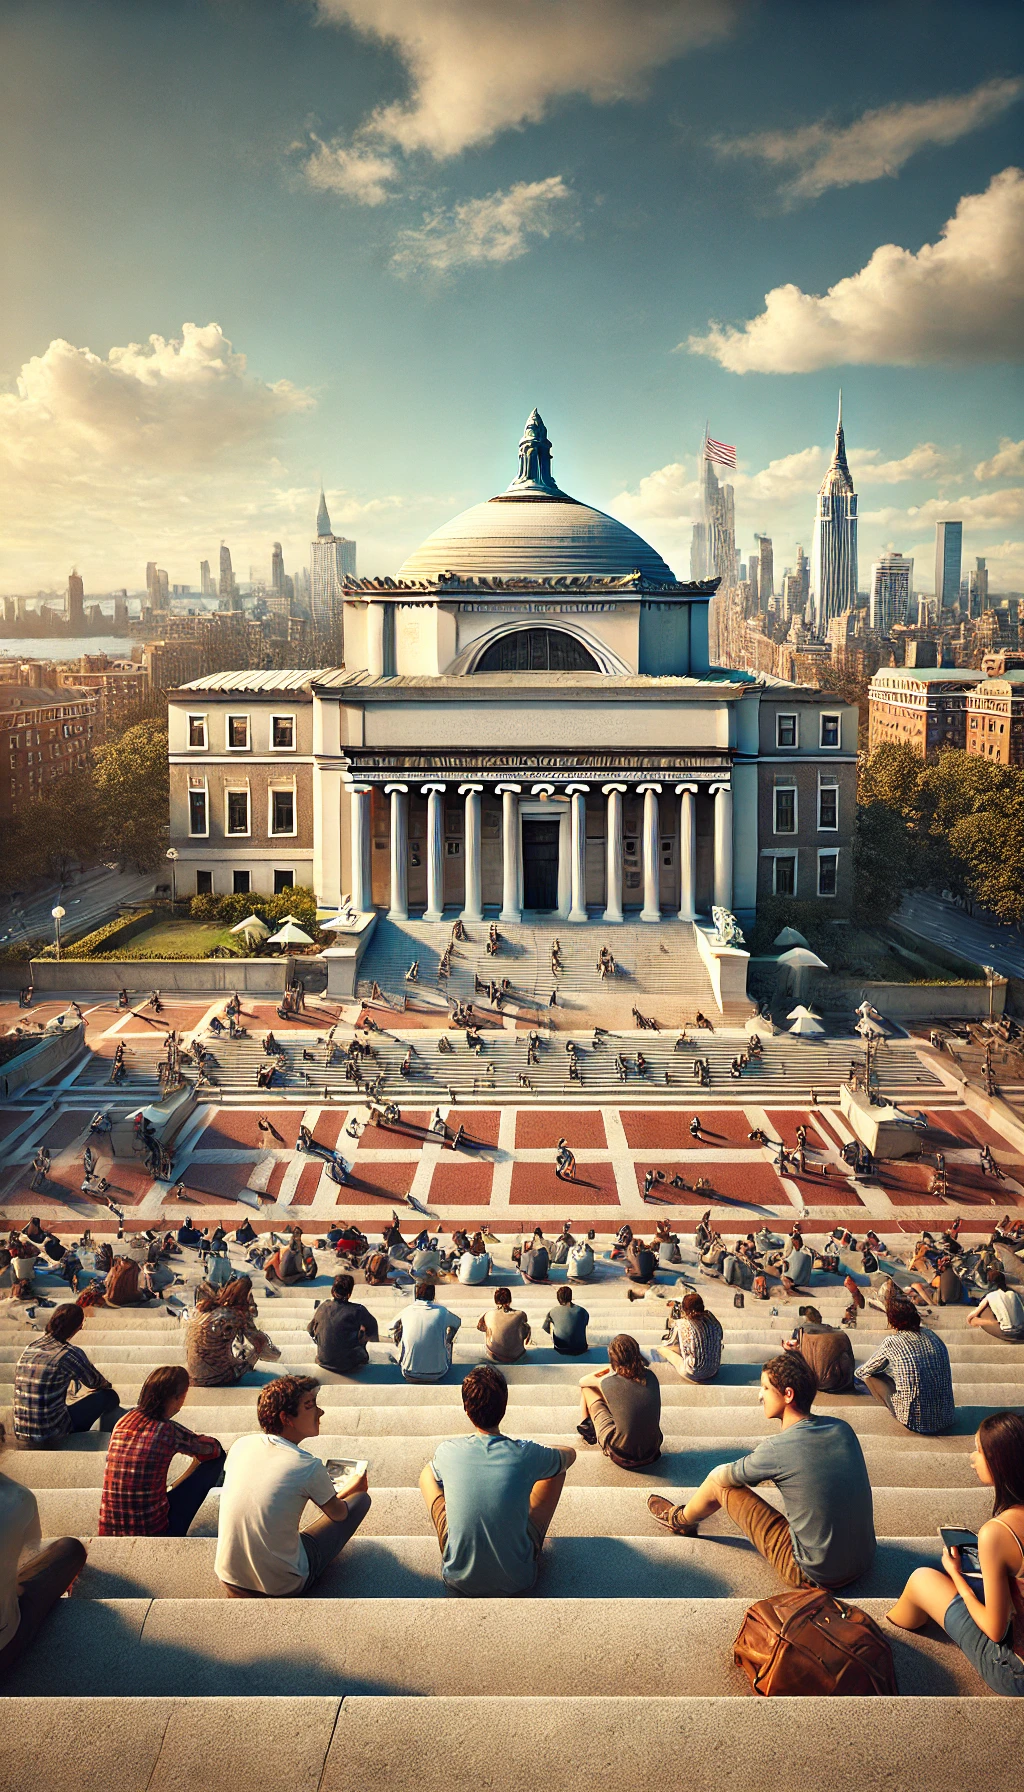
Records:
x=59, y=830
x=892, y=775
x=131, y=781
x=884, y=861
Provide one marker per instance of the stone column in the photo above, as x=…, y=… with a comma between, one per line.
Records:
x=613, y=851
x=375, y=640
x=687, y=793
x=435, y=851
x=723, y=846
x=510, y=909
x=577, y=794
x=362, y=899
x=399, y=794
x=651, y=910
x=472, y=909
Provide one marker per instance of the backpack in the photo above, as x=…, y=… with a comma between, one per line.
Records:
x=376, y=1267
x=761, y=1287
x=811, y=1644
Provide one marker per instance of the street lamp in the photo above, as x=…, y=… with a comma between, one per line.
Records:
x=172, y=855
x=58, y=914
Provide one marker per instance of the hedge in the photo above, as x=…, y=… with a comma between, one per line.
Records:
x=110, y=934
x=229, y=910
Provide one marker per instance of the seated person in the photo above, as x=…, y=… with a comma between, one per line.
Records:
x=580, y=1262
x=506, y=1330
x=492, y=1498
x=713, y=1256
x=621, y=1406
x=32, y=1579
x=342, y=1328
x=825, y=1535
x=909, y=1372
x=827, y=1351
x=46, y=1369
x=136, y=1500
x=474, y=1267
x=796, y=1270
x=985, y=1623
x=694, y=1344
x=222, y=1343
x=425, y=1263
x=244, y=1233
x=291, y=1263
x=1000, y=1311
x=567, y=1324
x=425, y=1334
x=268, y=1480
x=641, y=1262
x=947, y=1284
x=122, y=1284
x=535, y=1263
x=189, y=1235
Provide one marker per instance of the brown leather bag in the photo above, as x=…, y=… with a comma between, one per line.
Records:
x=811, y=1644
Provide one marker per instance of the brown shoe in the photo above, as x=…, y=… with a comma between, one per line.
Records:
x=670, y=1516
x=853, y=1291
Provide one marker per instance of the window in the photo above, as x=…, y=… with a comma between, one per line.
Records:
x=785, y=809
x=828, y=866
x=240, y=883
x=204, y=883
x=785, y=731
x=282, y=733
x=198, y=812
x=537, y=650
x=830, y=731
x=238, y=733
x=282, y=811
x=238, y=812
x=283, y=880
x=784, y=876
x=197, y=731
x=828, y=805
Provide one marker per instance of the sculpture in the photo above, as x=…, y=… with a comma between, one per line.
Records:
x=728, y=931
x=535, y=459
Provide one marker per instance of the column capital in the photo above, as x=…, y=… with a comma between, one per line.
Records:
x=511, y=789
x=543, y=790
x=440, y=788
x=692, y=788
x=720, y=789
x=606, y=789
x=648, y=786
x=576, y=789
x=360, y=789
x=389, y=789
x=465, y=789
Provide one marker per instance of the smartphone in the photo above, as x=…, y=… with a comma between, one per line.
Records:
x=970, y=1565
x=345, y=1468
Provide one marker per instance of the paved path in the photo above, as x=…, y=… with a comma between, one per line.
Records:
x=974, y=937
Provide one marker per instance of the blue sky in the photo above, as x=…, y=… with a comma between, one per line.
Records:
x=412, y=220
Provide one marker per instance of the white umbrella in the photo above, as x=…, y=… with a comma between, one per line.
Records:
x=801, y=958
x=252, y=924
x=789, y=937
x=802, y=1013
x=289, y=934
x=870, y=1029
x=293, y=919
x=807, y=1027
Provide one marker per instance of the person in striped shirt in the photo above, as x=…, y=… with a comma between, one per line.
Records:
x=136, y=1500
x=695, y=1342
x=909, y=1372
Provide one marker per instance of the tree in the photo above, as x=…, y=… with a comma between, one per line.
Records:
x=131, y=781
x=892, y=775
x=884, y=862
x=990, y=846
x=59, y=830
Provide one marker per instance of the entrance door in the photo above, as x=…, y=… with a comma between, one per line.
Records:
x=540, y=864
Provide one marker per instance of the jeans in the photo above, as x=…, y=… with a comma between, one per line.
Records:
x=184, y=1501
x=40, y=1584
x=103, y=1404
x=324, y=1540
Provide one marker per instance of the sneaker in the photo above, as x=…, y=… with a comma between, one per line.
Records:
x=666, y=1514
x=587, y=1431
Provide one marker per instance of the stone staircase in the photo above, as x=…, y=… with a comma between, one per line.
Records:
x=618, y=1668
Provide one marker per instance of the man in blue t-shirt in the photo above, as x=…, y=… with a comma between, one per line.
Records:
x=491, y=1497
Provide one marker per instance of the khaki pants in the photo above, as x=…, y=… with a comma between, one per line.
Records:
x=768, y=1531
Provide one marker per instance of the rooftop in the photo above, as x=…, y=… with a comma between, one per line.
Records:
x=252, y=681
x=928, y=674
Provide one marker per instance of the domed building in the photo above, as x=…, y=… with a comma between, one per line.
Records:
x=526, y=724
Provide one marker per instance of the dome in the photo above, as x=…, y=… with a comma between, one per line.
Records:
x=535, y=531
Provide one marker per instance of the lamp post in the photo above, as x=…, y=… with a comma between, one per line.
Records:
x=172, y=855
x=58, y=914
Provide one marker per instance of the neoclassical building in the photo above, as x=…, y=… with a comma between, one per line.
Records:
x=526, y=723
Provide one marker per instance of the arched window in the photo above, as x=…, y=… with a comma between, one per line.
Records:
x=537, y=650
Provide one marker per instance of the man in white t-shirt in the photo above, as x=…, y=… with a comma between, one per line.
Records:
x=268, y=1480
x=1000, y=1310
x=580, y=1263
x=424, y=1333
x=474, y=1269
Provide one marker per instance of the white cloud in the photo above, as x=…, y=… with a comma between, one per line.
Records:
x=926, y=461
x=989, y=510
x=957, y=300
x=362, y=174
x=478, y=67
x=876, y=144
x=499, y=227
x=1008, y=461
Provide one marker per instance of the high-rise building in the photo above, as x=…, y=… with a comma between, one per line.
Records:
x=277, y=569
x=765, y=570
x=949, y=545
x=332, y=560
x=835, y=539
x=152, y=584
x=892, y=578
x=206, y=586
x=977, y=588
x=226, y=587
x=713, y=549
x=802, y=573
x=75, y=602
x=163, y=589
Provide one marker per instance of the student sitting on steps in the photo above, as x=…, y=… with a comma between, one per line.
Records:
x=341, y=1329
x=567, y=1324
x=909, y=1371
x=621, y=1406
x=425, y=1334
x=136, y=1500
x=1000, y=1311
x=694, y=1343
x=506, y=1330
x=825, y=1535
x=32, y=1578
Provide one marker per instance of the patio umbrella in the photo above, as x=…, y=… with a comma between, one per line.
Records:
x=806, y=1027
x=289, y=934
x=252, y=924
x=869, y=1029
x=789, y=937
x=800, y=960
x=802, y=1013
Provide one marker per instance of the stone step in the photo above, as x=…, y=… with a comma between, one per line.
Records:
x=181, y=1647
x=311, y=1744
x=641, y=1567
x=582, y=1511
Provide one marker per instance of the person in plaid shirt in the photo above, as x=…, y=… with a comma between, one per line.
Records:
x=136, y=1500
x=45, y=1371
x=910, y=1371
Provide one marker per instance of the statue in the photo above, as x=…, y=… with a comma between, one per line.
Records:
x=534, y=460
x=728, y=931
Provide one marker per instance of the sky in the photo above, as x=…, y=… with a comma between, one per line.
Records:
x=250, y=244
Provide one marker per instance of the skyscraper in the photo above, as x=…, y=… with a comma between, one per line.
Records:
x=892, y=579
x=977, y=588
x=835, y=539
x=949, y=545
x=226, y=587
x=713, y=550
x=277, y=569
x=332, y=559
x=765, y=570
x=206, y=588
x=75, y=608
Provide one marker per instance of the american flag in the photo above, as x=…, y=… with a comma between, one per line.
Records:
x=722, y=452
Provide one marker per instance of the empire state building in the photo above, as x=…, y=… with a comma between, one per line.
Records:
x=834, y=563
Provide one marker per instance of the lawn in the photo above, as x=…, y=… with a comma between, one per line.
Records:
x=181, y=939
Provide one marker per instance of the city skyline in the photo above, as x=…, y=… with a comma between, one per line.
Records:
x=479, y=267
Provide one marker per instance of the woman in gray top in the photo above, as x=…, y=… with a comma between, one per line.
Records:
x=621, y=1406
